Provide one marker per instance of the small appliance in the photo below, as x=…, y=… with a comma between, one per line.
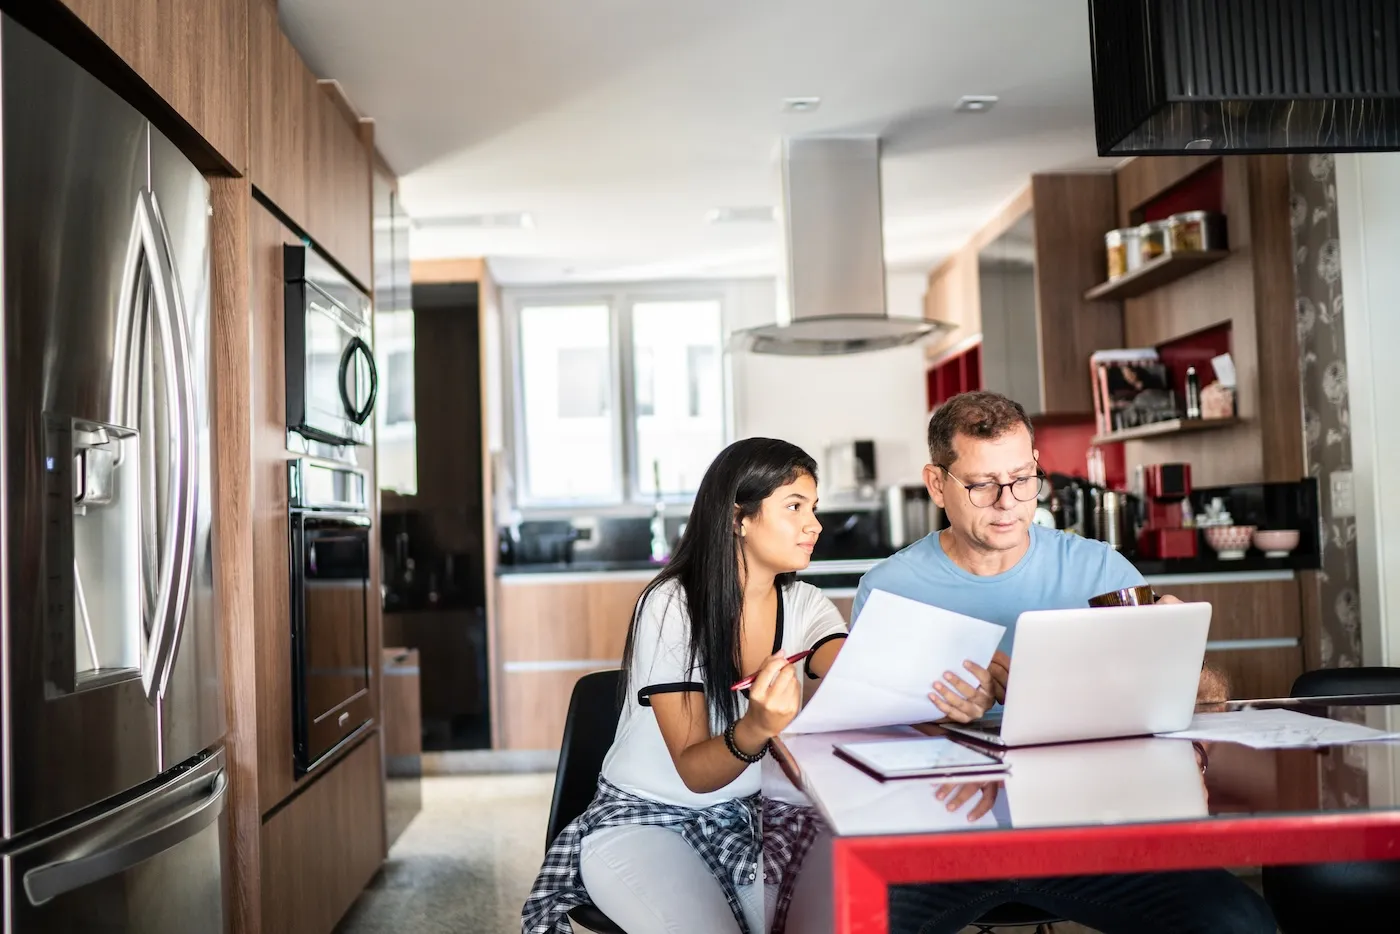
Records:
x=1165, y=488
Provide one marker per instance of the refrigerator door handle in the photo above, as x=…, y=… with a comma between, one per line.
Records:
x=176, y=564
x=96, y=859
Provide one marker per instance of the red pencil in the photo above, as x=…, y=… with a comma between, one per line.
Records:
x=748, y=682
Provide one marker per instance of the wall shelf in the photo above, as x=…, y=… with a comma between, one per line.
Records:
x=1154, y=274
x=1175, y=426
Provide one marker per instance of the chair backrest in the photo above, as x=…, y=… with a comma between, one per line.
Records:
x=1325, y=682
x=589, y=729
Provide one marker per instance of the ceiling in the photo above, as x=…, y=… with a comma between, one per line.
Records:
x=618, y=124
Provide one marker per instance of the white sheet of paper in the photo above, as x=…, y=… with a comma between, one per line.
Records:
x=897, y=649
x=1276, y=729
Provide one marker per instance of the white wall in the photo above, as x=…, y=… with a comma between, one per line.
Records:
x=812, y=401
x=1368, y=196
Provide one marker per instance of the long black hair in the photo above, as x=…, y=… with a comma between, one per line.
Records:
x=706, y=568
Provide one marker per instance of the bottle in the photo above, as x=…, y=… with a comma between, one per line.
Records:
x=660, y=547
x=1193, y=393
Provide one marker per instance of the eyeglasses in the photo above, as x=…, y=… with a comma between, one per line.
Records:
x=988, y=492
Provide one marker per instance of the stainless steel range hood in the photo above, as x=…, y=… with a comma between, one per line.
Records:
x=834, y=266
x=1242, y=76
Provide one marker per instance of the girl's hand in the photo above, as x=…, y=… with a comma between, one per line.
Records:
x=775, y=697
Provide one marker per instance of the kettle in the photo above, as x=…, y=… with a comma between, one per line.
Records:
x=910, y=514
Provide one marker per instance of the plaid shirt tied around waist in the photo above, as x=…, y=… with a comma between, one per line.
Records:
x=726, y=836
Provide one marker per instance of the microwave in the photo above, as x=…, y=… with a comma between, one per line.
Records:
x=332, y=379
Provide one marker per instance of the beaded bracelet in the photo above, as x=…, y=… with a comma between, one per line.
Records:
x=739, y=753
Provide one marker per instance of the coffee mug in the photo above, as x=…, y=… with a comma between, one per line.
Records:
x=1128, y=596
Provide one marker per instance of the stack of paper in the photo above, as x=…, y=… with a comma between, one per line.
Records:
x=886, y=670
x=1276, y=729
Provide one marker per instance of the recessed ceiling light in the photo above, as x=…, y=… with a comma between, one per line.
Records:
x=801, y=105
x=976, y=103
x=500, y=220
x=759, y=214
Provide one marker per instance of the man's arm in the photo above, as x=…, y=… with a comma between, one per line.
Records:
x=1214, y=687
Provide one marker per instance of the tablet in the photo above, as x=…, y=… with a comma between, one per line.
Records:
x=919, y=757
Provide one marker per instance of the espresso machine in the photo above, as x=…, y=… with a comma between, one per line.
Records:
x=1166, y=488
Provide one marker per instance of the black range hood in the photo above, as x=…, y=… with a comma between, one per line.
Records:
x=1245, y=76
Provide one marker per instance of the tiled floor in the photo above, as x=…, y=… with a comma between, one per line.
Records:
x=466, y=862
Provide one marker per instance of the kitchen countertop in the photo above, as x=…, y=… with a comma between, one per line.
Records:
x=846, y=573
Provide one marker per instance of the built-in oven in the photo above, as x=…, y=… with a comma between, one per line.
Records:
x=332, y=379
x=331, y=605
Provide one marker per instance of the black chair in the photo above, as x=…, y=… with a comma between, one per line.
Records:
x=1015, y=915
x=589, y=729
x=1316, y=896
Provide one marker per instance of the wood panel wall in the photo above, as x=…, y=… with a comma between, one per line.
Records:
x=1253, y=290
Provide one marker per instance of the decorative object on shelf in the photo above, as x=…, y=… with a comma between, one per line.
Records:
x=1229, y=541
x=1197, y=232
x=1276, y=543
x=1132, y=389
x=1218, y=398
x=1193, y=393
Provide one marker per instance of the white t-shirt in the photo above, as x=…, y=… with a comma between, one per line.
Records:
x=639, y=761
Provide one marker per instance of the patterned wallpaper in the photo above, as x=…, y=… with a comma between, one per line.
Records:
x=1326, y=416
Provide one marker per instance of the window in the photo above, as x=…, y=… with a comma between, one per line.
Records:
x=566, y=395
x=684, y=429
x=615, y=396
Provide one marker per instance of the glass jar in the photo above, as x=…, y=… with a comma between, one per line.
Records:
x=1117, y=254
x=1154, y=238
x=1124, y=248
x=1196, y=231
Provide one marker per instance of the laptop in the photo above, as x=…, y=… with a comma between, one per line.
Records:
x=1099, y=673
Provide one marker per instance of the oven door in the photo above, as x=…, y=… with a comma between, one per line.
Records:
x=330, y=631
x=333, y=395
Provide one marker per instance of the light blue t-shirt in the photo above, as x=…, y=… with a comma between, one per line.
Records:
x=1059, y=571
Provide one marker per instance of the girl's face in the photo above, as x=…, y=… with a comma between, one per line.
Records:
x=781, y=536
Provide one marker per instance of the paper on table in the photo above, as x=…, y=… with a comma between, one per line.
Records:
x=896, y=651
x=1275, y=729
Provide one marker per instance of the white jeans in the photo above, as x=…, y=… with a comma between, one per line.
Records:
x=649, y=881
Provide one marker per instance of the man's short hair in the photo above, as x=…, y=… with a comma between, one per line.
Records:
x=980, y=415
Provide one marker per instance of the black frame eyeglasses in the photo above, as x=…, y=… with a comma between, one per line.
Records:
x=1023, y=489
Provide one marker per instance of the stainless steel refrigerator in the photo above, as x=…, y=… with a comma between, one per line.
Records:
x=111, y=711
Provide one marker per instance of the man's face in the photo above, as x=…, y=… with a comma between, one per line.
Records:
x=1004, y=524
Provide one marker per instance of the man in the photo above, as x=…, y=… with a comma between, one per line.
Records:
x=993, y=563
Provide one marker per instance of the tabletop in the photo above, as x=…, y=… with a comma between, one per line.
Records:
x=1135, y=804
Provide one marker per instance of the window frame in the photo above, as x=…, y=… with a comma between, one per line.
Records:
x=625, y=497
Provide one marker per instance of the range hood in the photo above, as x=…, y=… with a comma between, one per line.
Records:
x=1241, y=76
x=834, y=267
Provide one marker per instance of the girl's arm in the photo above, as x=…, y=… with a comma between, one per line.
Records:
x=704, y=761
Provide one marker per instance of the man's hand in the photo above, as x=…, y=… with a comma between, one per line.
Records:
x=1000, y=670
x=959, y=795
x=1213, y=690
x=1167, y=598
x=960, y=700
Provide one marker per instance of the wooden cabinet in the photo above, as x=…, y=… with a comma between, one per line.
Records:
x=322, y=849
x=550, y=633
x=279, y=128
x=307, y=155
x=192, y=53
x=1251, y=625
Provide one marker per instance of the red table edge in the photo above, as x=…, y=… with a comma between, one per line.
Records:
x=863, y=867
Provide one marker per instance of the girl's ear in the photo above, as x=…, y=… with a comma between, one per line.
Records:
x=740, y=523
